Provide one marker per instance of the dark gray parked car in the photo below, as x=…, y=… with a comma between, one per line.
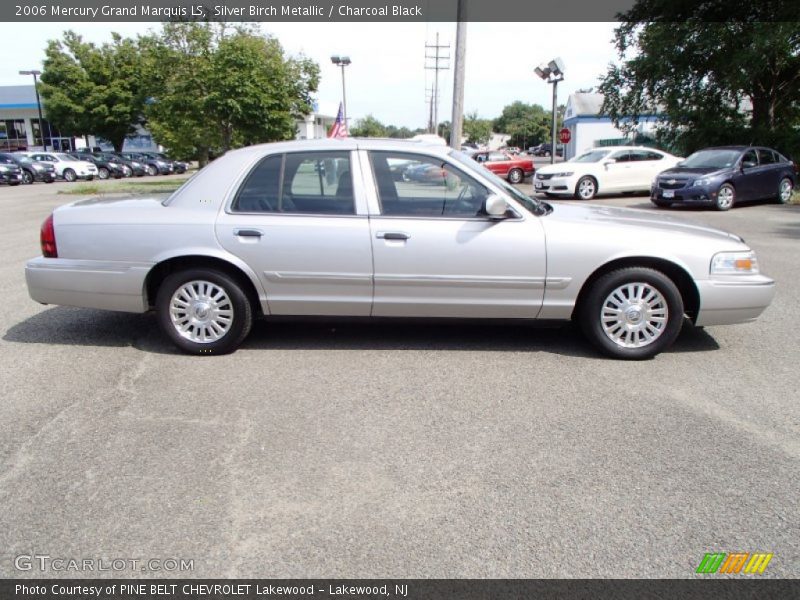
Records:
x=722, y=176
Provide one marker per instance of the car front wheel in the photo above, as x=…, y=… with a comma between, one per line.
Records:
x=785, y=190
x=726, y=196
x=69, y=175
x=586, y=188
x=204, y=311
x=27, y=177
x=516, y=175
x=103, y=173
x=632, y=313
x=151, y=170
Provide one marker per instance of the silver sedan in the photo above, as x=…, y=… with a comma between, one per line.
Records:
x=371, y=228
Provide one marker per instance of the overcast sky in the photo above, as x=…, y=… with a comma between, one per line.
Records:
x=387, y=77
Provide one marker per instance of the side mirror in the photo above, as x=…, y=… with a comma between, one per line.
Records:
x=496, y=207
x=748, y=164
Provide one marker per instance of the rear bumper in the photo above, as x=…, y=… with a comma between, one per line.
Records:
x=88, y=283
x=733, y=301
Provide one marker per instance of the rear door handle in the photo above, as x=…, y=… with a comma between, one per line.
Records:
x=392, y=235
x=248, y=232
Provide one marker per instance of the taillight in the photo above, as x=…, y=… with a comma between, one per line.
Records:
x=48, y=238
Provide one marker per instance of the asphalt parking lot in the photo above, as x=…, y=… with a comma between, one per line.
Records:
x=342, y=450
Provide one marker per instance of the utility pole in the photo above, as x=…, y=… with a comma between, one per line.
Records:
x=457, y=120
x=437, y=57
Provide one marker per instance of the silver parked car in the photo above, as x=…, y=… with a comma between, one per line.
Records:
x=333, y=227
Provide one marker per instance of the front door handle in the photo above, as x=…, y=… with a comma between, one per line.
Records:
x=392, y=235
x=248, y=232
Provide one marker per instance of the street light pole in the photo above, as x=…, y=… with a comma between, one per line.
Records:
x=552, y=73
x=36, y=73
x=342, y=61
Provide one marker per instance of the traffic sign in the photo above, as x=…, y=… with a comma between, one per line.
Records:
x=564, y=136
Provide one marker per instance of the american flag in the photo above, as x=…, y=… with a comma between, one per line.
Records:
x=339, y=129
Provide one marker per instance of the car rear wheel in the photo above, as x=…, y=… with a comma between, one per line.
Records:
x=69, y=175
x=27, y=177
x=204, y=311
x=785, y=190
x=151, y=170
x=102, y=173
x=632, y=313
x=516, y=175
x=726, y=196
x=586, y=188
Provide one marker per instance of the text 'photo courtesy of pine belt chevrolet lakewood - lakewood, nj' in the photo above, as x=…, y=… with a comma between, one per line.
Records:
x=349, y=228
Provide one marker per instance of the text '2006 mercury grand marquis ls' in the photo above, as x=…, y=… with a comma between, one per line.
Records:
x=340, y=228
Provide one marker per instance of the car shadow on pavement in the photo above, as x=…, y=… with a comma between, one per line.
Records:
x=87, y=327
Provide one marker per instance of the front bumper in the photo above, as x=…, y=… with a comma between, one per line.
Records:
x=555, y=185
x=697, y=195
x=45, y=176
x=106, y=285
x=734, y=299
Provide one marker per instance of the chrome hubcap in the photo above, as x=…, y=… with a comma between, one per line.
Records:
x=201, y=311
x=634, y=315
x=786, y=190
x=586, y=188
x=725, y=197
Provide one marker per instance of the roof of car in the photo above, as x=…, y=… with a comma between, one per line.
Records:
x=345, y=144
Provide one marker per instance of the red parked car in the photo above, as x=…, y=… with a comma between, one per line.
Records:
x=513, y=168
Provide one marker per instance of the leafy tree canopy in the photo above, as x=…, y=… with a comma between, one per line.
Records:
x=94, y=89
x=477, y=130
x=717, y=82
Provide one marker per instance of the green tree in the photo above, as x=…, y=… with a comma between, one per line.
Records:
x=736, y=81
x=89, y=89
x=217, y=87
x=369, y=126
x=527, y=124
x=477, y=130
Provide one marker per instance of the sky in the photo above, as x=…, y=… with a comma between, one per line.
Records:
x=387, y=77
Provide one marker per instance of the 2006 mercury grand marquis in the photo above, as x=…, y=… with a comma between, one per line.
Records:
x=388, y=229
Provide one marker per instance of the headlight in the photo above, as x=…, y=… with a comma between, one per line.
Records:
x=4, y=168
x=161, y=163
x=701, y=182
x=564, y=174
x=734, y=263
x=115, y=165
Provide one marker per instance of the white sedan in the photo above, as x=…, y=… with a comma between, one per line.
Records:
x=67, y=167
x=609, y=170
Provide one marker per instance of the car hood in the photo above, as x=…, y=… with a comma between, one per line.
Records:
x=691, y=172
x=636, y=218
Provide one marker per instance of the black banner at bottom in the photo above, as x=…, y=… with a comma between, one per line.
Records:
x=398, y=589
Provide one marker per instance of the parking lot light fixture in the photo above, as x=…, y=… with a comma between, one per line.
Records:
x=342, y=61
x=552, y=72
x=35, y=74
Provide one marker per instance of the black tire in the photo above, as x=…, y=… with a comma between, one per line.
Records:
x=69, y=175
x=785, y=190
x=90, y=178
x=242, y=311
x=516, y=176
x=27, y=177
x=14, y=183
x=726, y=197
x=586, y=188
x=152, y=170
x=599, y=297
x=102, y=173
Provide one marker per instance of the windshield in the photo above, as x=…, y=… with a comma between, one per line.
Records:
x=591, y=157
x=712, y=159
x=526, y=201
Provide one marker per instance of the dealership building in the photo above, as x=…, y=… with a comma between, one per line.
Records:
x=20, y=129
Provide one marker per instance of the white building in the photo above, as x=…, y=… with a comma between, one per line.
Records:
x=588, y=127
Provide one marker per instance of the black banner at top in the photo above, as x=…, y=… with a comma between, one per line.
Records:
x=392, y=10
